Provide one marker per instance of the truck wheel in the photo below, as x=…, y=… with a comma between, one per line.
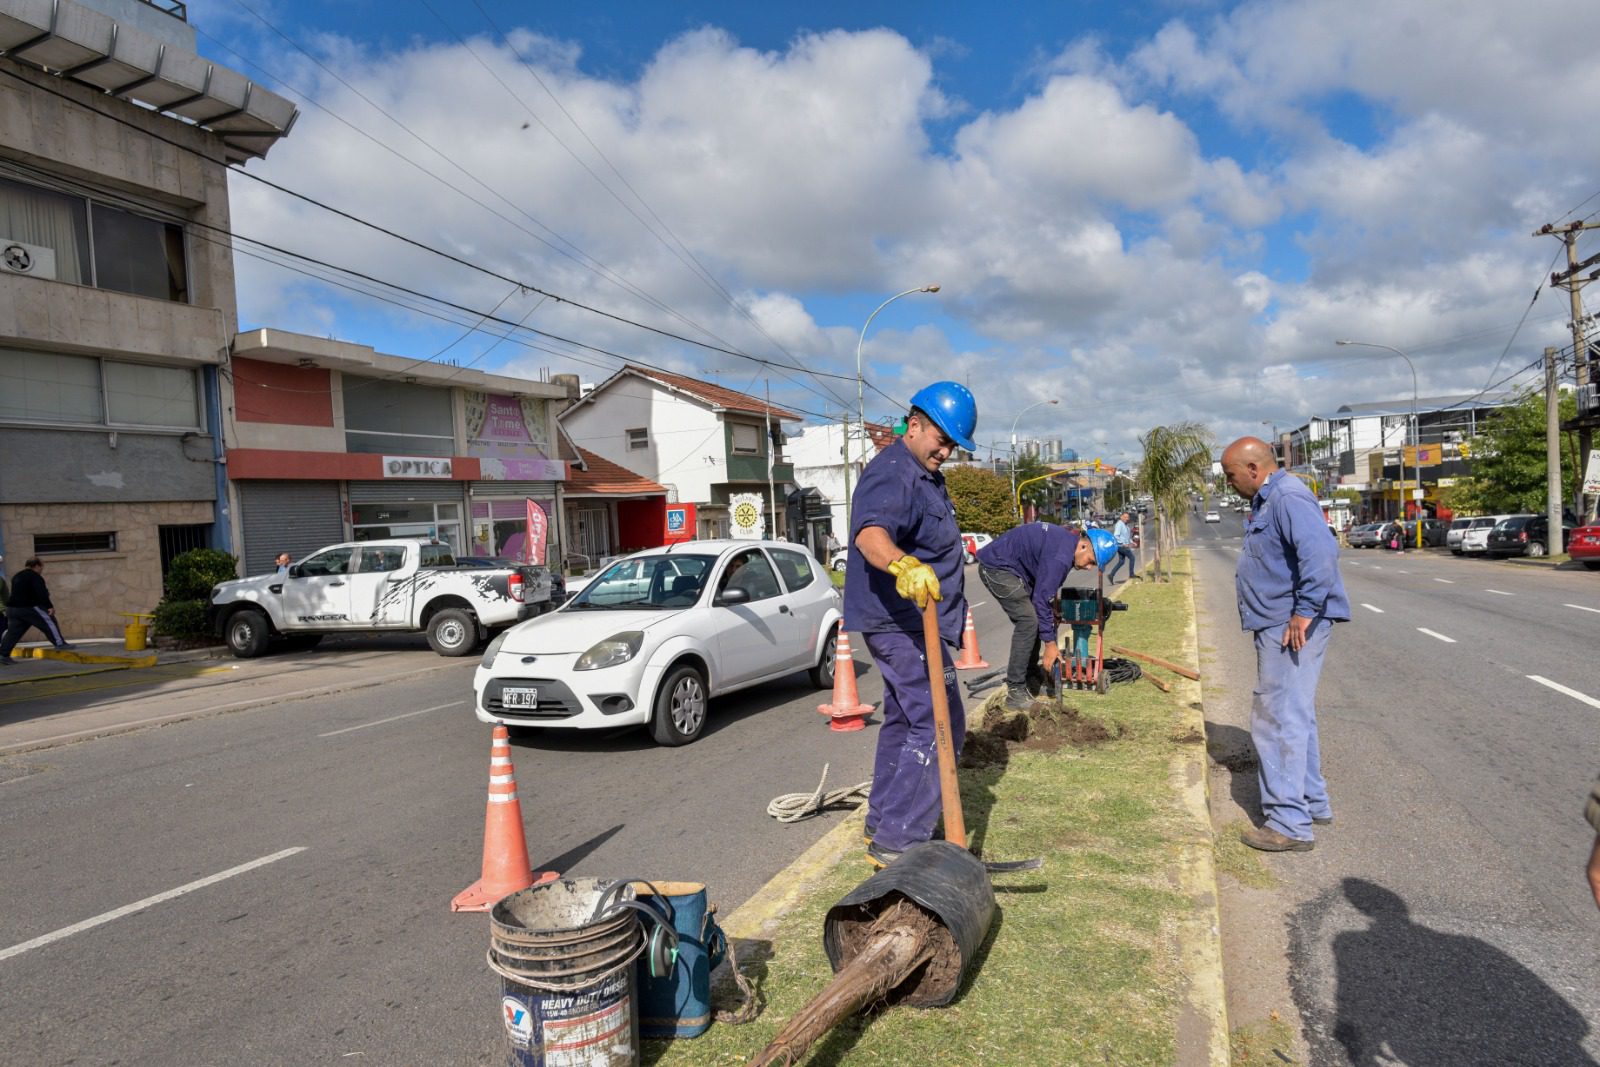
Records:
x=828, y=662
x=680, y=711
x=248, y=633
x=452, y=632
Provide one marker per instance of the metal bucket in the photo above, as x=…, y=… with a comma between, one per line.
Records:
x=568, y=986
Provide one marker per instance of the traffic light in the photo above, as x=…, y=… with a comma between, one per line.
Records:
x=1097, y=466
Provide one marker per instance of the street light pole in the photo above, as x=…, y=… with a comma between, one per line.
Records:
x=1014, y=422
x=861, y=417
x=1416, y=431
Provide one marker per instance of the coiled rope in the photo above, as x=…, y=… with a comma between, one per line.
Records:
x=793, y=807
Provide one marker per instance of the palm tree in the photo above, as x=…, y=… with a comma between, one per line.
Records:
x=1177, y=461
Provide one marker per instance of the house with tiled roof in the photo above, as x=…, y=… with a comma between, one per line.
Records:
x=819, y=466
x=610, y=511
x=702, y=442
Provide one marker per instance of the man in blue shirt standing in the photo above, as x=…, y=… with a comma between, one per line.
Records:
x=1290, y=595
x=908, y=551
x=1124, y=538
x=1024, y=569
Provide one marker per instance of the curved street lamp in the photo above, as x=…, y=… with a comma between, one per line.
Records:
x=860, y=404
x=1014, y=422
x=1416, y=431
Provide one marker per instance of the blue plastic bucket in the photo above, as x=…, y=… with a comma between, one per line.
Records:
x=567, y=983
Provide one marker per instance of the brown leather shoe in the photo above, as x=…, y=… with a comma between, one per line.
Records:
x=1267, y=839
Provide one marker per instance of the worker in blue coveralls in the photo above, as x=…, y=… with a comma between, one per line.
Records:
x=1290, y=595
x=1025, y=568
x=909, y=551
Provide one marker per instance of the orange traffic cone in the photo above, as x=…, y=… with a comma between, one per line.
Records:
x=846, y=711
x=505, y=850
x=971, y=659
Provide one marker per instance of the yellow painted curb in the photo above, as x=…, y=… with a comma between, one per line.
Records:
x=88, y=657
x=759, y=915
x=1205, y=1016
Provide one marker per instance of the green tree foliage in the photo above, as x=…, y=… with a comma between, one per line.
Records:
x=1177, y=462
x=982, y=499
x=1508, y=461
x=1029, y=467
x=190, y=576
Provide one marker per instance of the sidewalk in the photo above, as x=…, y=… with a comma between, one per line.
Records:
x=39, y=662
x=1110, y=954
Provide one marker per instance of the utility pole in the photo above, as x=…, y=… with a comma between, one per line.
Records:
x=845, y=540
x=772, y=457
x=1552, y=453
x=1588, y=406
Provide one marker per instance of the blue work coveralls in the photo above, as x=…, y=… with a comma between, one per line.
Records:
x=910, y=504
x=1025, y=568
x=1289, y=566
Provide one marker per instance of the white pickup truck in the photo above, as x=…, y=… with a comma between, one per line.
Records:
x=377, y=586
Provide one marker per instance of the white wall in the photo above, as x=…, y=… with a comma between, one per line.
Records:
x=818, y=459
x=683, y=433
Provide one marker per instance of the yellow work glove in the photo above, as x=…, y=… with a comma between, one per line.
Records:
x=915, y=581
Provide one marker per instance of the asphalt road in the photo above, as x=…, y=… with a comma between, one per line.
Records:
x=1443, y=918
x=329, y=834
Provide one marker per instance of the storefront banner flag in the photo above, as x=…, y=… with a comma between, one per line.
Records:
x=533, y=549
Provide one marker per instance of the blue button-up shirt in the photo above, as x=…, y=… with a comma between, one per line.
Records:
x=1121, y=533
x=1039, y=553
x=1289, y=564
x=910, y=503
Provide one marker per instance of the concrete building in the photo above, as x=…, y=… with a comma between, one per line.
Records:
x=331, y=441
x=819, y=473
x=116, y=294
x=702, y=442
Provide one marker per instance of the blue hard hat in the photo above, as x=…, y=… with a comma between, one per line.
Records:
x=1105, y=546
x=951, y=407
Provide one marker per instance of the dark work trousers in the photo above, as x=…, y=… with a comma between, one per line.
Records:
x=904, y=803
x=1124, y=555
x=1016, y=599
x=18, y=622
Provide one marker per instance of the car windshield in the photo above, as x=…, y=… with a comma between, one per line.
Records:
x=1460, y=524
x=1517, y=523
x=1482, y=524
x=662, y=582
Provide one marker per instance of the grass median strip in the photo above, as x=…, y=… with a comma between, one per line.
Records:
x=1082, y=962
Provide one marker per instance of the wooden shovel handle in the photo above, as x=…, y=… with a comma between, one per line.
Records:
x=1175, y=668
x=955, y=827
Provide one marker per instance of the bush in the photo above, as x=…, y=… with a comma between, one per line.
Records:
x=192, y=574
x=182, y=618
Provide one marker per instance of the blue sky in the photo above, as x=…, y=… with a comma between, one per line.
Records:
x=1153, y=213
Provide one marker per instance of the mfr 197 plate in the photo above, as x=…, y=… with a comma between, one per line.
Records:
x=519, y=697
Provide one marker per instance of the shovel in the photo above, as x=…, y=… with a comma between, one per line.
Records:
x=955, y=827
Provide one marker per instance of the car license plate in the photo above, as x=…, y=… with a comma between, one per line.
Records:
x=519, y=697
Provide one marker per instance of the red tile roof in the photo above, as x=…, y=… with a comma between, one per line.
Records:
x=880, y=435
x=609, y=479
x=715, y=395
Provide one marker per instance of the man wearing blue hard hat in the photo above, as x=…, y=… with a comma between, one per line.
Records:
x=907, y=551
x=1024, y=569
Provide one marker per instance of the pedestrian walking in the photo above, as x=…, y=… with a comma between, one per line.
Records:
x=28, y=607
x=1024, y=568
x=283, y=564
x=1290, y=595
x=908, y=551
x=1124, y=538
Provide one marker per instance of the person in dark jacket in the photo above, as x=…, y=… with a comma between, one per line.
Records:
x=28, y=606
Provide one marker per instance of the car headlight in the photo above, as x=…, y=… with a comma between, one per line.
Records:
x=618, y=648
x=494, y=649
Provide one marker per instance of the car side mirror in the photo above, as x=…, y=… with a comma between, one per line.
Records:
x=734, y=595
x=294, y=571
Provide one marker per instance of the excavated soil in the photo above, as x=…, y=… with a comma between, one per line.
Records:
x=1042, y=728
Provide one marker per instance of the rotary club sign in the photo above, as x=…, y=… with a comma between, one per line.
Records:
x=746, y=510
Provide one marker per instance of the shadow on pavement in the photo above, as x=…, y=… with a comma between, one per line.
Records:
x=1230, y=747
x=1410, y=994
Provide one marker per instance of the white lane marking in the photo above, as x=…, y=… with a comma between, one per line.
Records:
x=1499, y=592
x=1573, y=693
x=147, y=902
x=1446, y=581
x=1369, y=607
x=1405, y=572
x=392, y=718
x=1442, y=637
x=1377, y=566
x=1580, y=607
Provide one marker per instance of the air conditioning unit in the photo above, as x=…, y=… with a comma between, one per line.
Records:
x=32, y=260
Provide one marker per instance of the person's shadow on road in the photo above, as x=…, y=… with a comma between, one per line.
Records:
x=1414, y=996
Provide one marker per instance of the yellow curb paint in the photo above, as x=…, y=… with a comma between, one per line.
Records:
x=1199, y=933
x=7, y=680
x=89, y=657
x=758, y=916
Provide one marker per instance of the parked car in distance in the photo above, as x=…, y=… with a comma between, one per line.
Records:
x=1212, y=516
x=1585, y=546
x=1523, y=535
x=1433, y=533
x=1475, y=542
x=971, y=542
x=839, y=560
x=655, y=636
x=1363, y=536
x=1452, y=536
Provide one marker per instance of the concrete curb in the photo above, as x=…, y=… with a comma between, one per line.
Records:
x=758, y=917
x=1203, y=1023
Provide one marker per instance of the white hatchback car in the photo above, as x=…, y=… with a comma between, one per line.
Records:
x=654, y=636
x=1212, y=516
x=1475, y=539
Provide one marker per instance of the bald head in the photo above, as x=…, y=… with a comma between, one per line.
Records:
x=1246, y=464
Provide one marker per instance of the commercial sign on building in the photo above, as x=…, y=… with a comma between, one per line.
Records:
x=745, y=510
x=680, y=524
x=1591, y=476
x=416, y=467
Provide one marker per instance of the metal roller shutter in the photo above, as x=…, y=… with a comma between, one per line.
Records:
x=293, y=517
x=513, y=490
x=440, y=492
